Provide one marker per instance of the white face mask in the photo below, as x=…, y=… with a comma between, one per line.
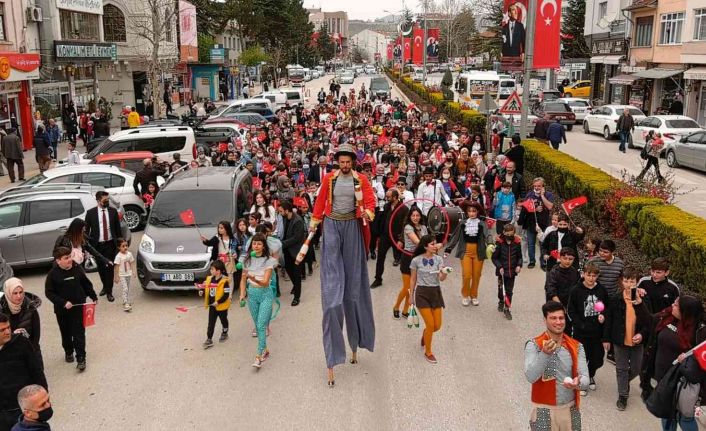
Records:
x=446, y=176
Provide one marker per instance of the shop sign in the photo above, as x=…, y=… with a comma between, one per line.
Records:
x=632, y=69
x=69, y=51
x=10, y=87
x=608, y=46
x=88, y=6
x=218, y=55
x=18, y=67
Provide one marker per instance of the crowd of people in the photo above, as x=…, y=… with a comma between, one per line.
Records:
x=354, y=179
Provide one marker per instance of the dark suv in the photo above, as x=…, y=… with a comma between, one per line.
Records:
x=379, y=87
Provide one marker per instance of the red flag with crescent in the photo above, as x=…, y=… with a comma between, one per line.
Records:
x=571, y=204
x=529, y=205
x=89, y=315
x=407, y=49
x=547, y=34
x=418, y=46
x=700, y=355
x=389, y=51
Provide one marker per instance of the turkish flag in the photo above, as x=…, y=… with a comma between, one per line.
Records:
x=256, y=183
x=89, y=315
x=417, y=50
x=571, y=204
x=300, y=202
x=407, y=49
x=187, y=217
x=490, y=222
x=497, y=184
x=389, y=51
x=547, y=34
x=554, y=254
x=700, y=355
x=529, y=205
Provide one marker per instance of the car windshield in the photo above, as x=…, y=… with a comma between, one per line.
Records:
x=220, y=109
x=209, y=207
x=682, y=124
x=100, y=148
x=632, y=111
x=556, y=107
x=34, y=180
x=578, y=103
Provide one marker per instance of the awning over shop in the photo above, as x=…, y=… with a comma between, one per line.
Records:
x=606, y=59
x=658, y=73
x=695, y=73
x=625, y=79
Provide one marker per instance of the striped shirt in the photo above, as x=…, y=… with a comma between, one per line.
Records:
x=609, y=273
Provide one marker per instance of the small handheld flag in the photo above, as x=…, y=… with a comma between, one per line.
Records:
x=570, y=205
x=89, y=315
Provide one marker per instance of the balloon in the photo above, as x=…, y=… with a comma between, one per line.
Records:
x=253, y=254
x=599, y=306
x=238, y=266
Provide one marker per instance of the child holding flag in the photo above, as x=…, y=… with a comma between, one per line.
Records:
x=125, y=267
x=427, y=271
x=218, y=301
x=507, y=259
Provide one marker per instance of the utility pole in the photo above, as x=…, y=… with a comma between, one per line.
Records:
x=424, y=44
x=529, y=54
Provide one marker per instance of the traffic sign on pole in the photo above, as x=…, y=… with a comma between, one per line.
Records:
x=513, y=104
x=487, y=105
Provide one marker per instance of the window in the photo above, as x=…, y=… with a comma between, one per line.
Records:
x=168, y=25
x=10, y=216
x=76, y=208
x=168, y=144
x=101, y=179
x=2, y=21
x=643, y=31
x=113, y=24
x=700, y=24
x=602, y=9
x=63, y=179
x=670, y=28
x=48, y=211
x=695, y=138
x=78, y=26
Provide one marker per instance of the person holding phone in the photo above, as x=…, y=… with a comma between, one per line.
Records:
x=625, y=328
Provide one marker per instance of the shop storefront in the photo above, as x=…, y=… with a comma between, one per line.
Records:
x=666, y=85
x=204, y=81
x=16, y=72
x=695, y=103
x=606, y=57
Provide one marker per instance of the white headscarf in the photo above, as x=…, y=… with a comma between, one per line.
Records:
x=11, y=284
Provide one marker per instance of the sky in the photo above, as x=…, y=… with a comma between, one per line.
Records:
x=362, y=9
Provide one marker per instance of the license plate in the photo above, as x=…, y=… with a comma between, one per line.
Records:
x=559, y=117
x=182, y=276
x=580, y=111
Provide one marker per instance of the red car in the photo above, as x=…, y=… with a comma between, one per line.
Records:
x=557, y=111
x=131, y=160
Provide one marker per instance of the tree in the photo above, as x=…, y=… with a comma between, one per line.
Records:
x=489, y=41
x=325, y=44
x=454, y=24
x=572, y=26
x=205, y=42
x=358, y=55
x=154, y=24
x=253, y=56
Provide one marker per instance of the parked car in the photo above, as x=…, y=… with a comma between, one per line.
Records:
x=580, y=107
x=689, y=151
x=132, y=161
x=604, y=119
x=247, y=118
x=549, y=95
x=347, y=77
x=170, y=255
x=163, y=142
x=238, y=105
x=116, y=181
x=578, y=89
x=672, y=128
x=418, y=74
x=370, y=69
x=557, y=111
x=276, y=97
x=31, y=219
x=268, y=113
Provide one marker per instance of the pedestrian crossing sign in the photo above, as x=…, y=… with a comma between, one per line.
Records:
x=513, y=104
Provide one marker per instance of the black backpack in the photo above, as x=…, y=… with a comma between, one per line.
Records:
x=663, y=401
x=644, y=152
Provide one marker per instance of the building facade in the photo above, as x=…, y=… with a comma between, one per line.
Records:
x=337, y=23
x=373, y=43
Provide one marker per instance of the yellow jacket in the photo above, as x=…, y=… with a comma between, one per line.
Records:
x=133, y=119
x=214, y=294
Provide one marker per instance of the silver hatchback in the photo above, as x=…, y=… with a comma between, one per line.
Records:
x=171, y=255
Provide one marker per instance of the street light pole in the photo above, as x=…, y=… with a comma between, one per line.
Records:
x=424, y=45
x=529, y=54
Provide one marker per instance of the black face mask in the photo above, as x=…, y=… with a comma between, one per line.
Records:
x=45, y=415
x=563, y=229
x=509, y=237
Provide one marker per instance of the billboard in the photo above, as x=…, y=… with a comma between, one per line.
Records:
x=513, y=35
x=398, y=49
x=189, y=50
x=433, y=45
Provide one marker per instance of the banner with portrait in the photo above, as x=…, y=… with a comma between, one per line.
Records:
x=512, y=31
x=433, y=45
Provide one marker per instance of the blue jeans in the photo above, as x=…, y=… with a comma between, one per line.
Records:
x=686, y=424
x=531, y=243
x=623, y=139
x=54, y=147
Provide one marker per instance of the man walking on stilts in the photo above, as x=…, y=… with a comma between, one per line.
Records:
x=346, y=206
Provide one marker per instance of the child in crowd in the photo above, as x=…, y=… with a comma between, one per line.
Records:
x=587, y=319
x=310, y=257
x=125, y=267
x=551, y=228
x=507, y=258
x=504, y=203
x=427, y=271
x=562, y=237
x=217, y=300
x=589, y=251
x=258, y=269
x=625, y=330
x=253, y=220
x=657, y=290
x=74, y=158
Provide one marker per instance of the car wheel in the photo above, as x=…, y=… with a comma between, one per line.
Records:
x=585, y=127
x=606, y=133
x=569, y=127
x=630, y=144
x=133, y=217
x=672, y=159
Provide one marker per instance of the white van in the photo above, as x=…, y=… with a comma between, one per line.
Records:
x=418, y=74
x=294, y=96
x=276, y=97
x=238, y=104
x=307, y=74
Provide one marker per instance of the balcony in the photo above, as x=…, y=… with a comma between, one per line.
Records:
x=636, y=5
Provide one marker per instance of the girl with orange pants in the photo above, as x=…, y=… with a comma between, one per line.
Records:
x=427, y=272
x=414, y=228
x=470, y=240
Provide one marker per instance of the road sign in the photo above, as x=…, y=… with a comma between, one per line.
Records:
x=487, y=105
x=513, y=104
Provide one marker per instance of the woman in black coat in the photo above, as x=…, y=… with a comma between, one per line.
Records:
x=22, y=308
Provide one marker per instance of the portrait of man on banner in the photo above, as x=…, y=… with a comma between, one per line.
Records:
x=513, y=34
x=433, y=44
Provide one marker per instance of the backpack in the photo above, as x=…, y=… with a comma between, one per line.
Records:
x=644, y=152
x=662, y=403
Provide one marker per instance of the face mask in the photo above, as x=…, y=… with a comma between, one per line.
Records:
x=45, y=415
x=563, y=229
x=105, y=204
x=446, y=176
x=509, y=237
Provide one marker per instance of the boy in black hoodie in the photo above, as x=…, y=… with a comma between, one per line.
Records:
x=507, y=258
x=587, y=318
x=657, y=290
x=560, y=238
x=561, y=279
x=66, y=285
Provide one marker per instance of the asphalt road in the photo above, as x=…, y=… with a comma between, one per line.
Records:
x=147, y=369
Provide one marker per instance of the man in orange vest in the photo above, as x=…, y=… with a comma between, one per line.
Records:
x=555, y=365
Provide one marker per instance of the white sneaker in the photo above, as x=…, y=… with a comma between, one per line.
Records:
x=466, y=302
x=127, y=307
x=257, y=363
x=254, y=333
x=584, y=393
x=475, y=302
x=592, y=385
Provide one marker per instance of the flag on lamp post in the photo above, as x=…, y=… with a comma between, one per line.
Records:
x=547, y=34
x=407, y=49
x=418, y=46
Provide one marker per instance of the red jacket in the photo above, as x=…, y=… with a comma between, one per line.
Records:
x=324, y=201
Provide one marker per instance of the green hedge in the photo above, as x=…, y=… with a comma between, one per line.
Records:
x=656, y=228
